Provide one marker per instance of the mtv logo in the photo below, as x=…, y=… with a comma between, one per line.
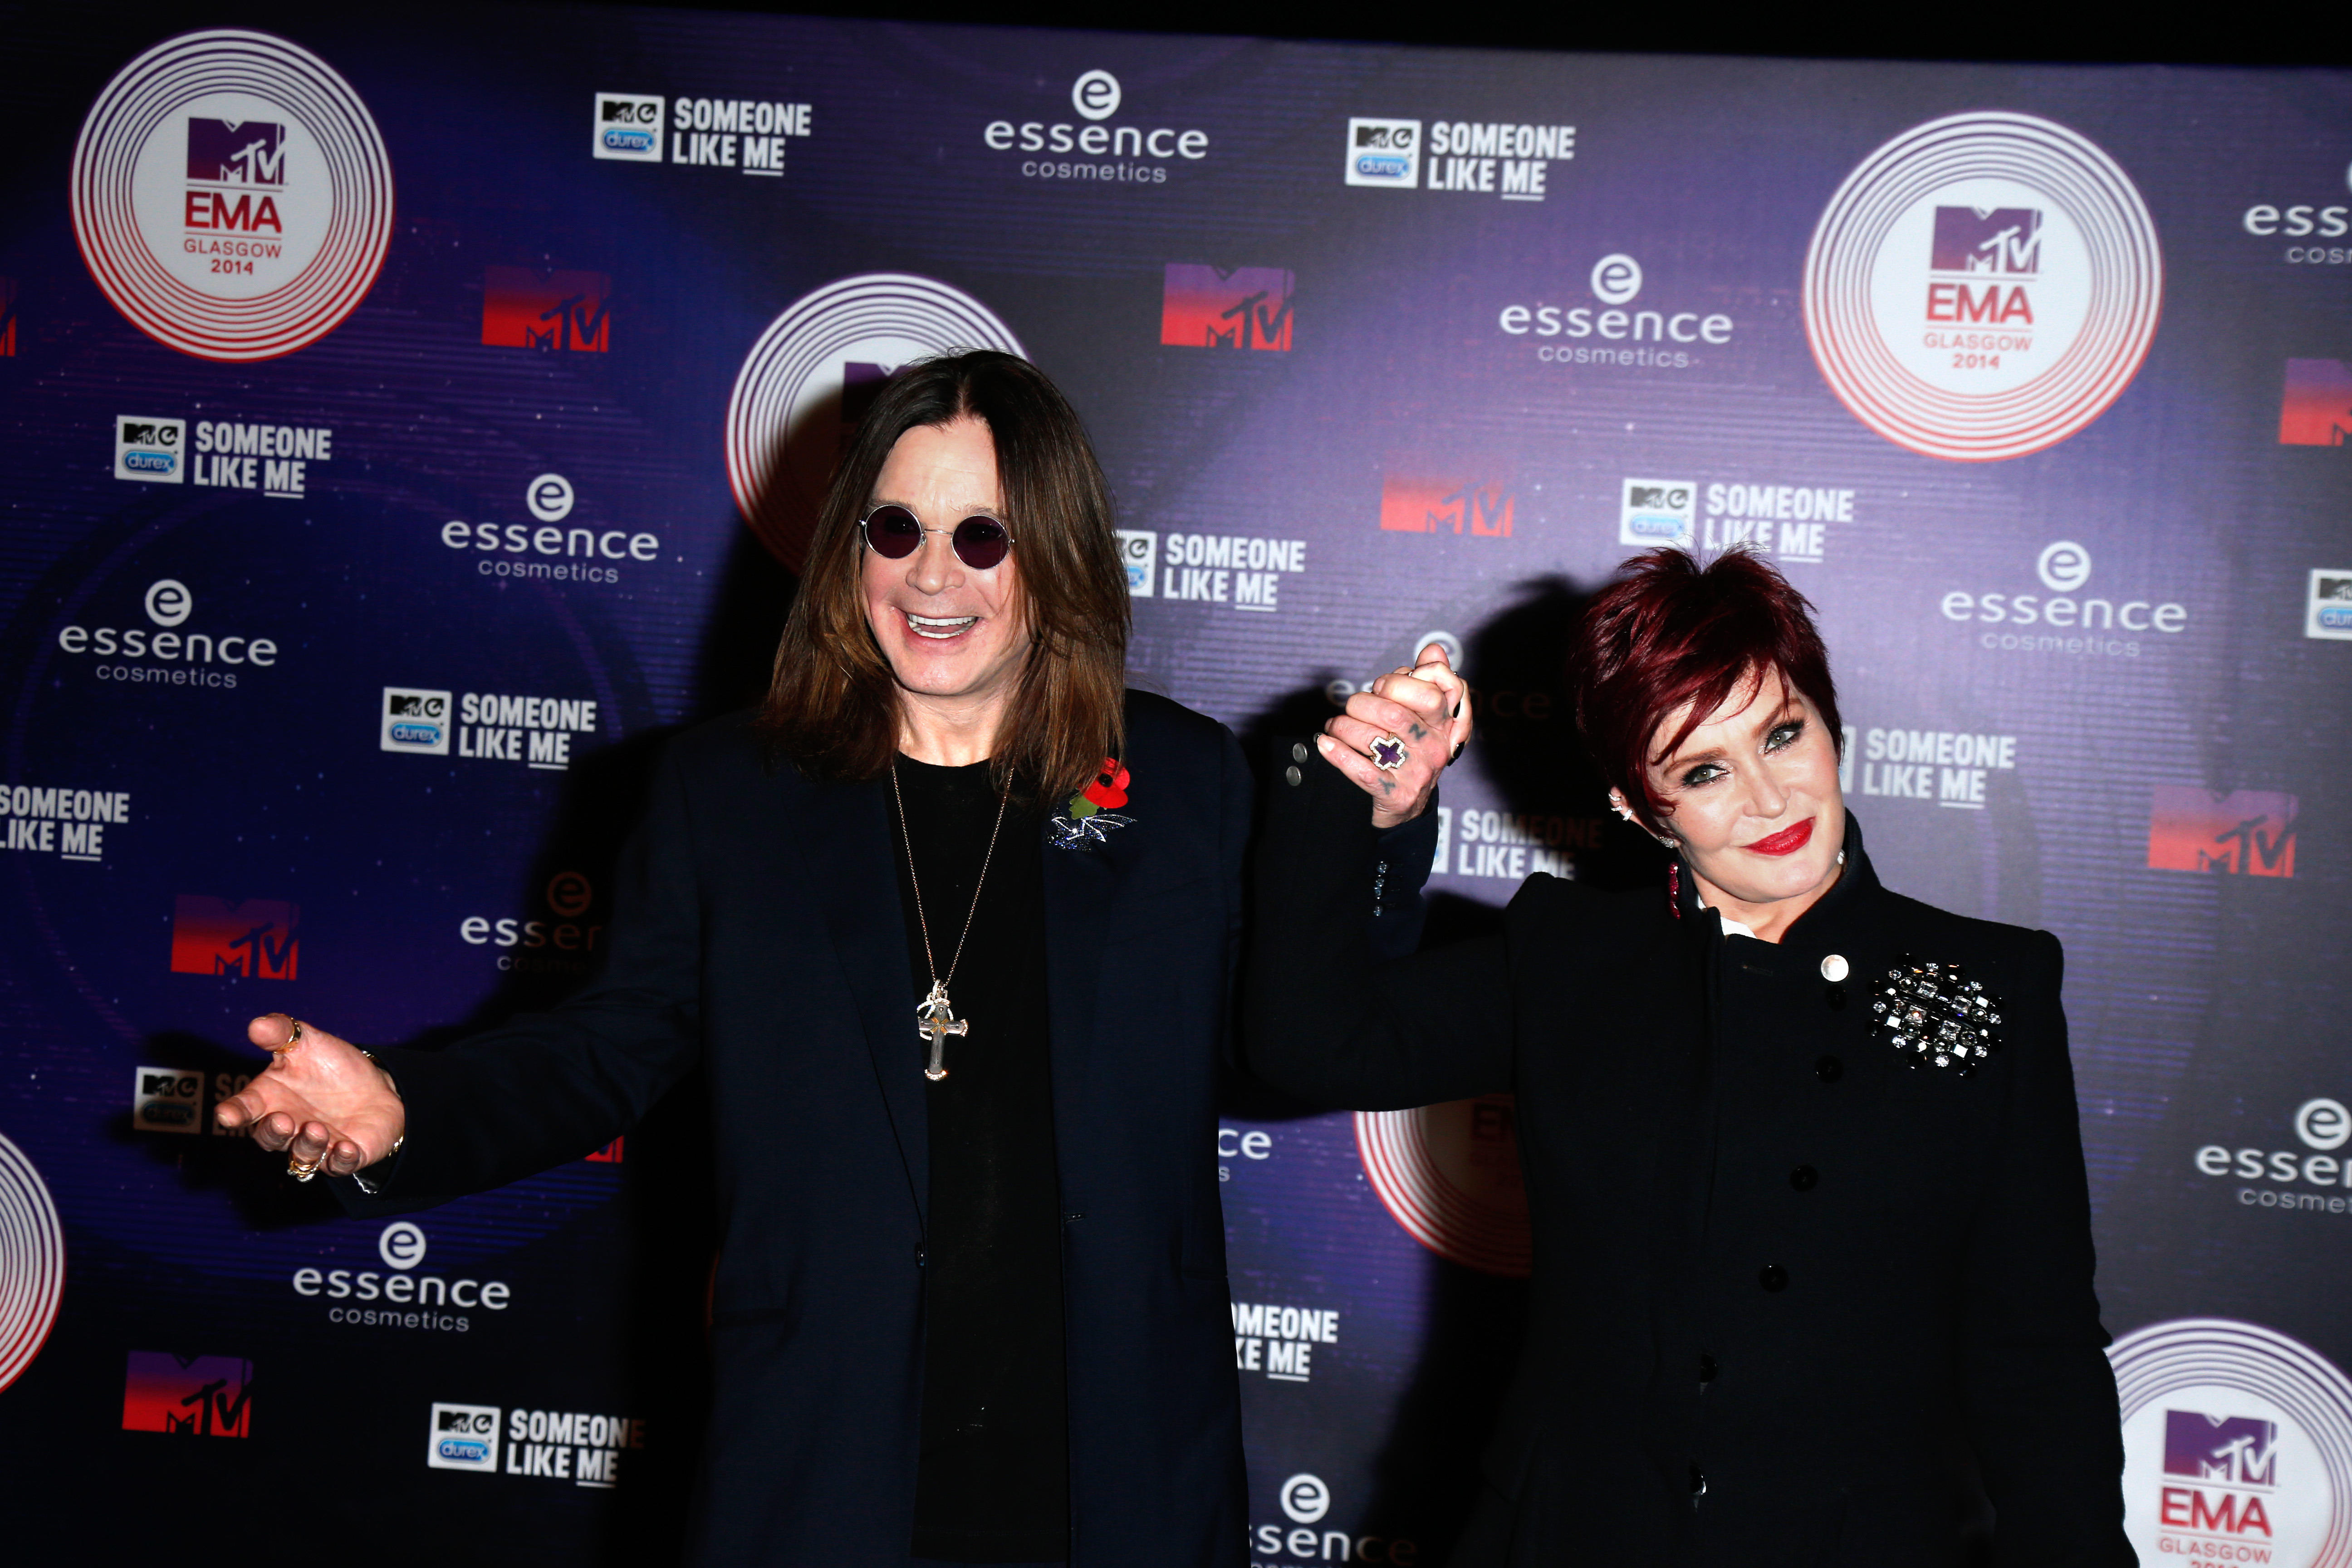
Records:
x=1384, y=152
x=167, y=1099
x=1410, y=504
x=2247, y=832
x=2004, y=240
x=2316, y=409
x=152, y=450
x=2236, y=1450
x=7, y=318
x=1138, y=551
x=464, y=1437
x=560, y=312
x=629, y=127
x=257, y=938
x=1657, y=511
x=2329, y=612
x=190, y=1396
x=1221, y=308
x=235, y=151
x=415, y=721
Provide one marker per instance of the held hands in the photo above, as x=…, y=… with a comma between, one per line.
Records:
x=323, y=1102
x=1399, y=735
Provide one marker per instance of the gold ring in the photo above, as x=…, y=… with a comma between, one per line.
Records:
x=293, y=1035
x=298, y=1171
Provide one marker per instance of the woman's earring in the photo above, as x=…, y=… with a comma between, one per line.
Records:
x=1617, y=804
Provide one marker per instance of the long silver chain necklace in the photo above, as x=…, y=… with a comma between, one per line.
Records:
x=935, y=1020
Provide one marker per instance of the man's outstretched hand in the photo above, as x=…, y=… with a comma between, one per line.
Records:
x=319, y=1100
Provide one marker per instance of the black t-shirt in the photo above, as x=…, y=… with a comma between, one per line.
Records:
x=993, y=1485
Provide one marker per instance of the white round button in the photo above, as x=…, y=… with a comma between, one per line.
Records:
x=1833, y=968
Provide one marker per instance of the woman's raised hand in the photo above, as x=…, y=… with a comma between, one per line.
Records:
x=319, y=1100
x=1397, y=736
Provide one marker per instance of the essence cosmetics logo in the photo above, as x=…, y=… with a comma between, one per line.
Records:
x=2248, y=831
x=256, y=939
x=560, y=312
x=188, y=1396
x=1216, y=307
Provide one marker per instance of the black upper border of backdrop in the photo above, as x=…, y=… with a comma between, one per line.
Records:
x=2294, y=36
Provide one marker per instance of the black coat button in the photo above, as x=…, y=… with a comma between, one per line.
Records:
x=1707, y=1369
x=1774, y=1278
x=1804, y=1178
x=1828, y=1069
x=1298, y=751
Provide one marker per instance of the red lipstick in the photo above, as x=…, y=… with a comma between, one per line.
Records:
x=1788, y=841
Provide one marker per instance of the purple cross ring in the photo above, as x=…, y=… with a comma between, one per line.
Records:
x=1388, y=753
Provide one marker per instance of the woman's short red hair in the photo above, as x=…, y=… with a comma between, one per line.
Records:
x=1669, y=632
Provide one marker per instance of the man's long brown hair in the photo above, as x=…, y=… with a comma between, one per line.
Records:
x=833, y=704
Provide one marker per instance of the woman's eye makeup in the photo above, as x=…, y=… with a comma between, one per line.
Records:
x=1784, y=735
x=1706, y=773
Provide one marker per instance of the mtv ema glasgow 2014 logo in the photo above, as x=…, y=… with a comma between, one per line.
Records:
x=2236, y=1446
x=813, y=373
x=231, y=195
x=1982, y=287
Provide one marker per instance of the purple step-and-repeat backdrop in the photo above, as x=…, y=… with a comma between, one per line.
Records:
x=408, y=423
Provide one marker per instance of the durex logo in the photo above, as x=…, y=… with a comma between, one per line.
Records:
x=1657, y=511
x=151, y=449
x=629, y=127
x=415, y=720
x=464, y=1437
x=1384, y=152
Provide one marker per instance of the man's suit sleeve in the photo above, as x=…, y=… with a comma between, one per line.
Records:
x=547, y=1087
x=1321, y=1018
x=2040, y=1395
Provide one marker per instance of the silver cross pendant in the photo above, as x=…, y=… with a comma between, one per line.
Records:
x=935, y=1021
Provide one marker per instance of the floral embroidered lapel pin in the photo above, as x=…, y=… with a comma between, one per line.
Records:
x=1093, y=809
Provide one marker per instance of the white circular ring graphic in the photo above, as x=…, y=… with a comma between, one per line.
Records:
x=130, y=162
x=1456, y=1221
x=784, y=424
x=2113, y=298
x=32, y=1262
x=2218, y=1355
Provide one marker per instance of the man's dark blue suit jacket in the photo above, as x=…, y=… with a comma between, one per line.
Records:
x=757, y=929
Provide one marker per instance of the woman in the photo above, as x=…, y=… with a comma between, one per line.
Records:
x=951, y=923
x=1811, y=1233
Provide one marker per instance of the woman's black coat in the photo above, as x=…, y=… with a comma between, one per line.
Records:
x=1786, y=1288
x=758, y=929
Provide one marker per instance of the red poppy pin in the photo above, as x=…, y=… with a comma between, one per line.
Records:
x=1094, y=808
